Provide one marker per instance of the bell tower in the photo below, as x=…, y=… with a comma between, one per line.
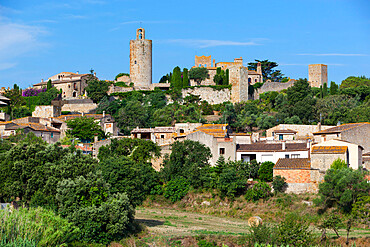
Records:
x=141, y=60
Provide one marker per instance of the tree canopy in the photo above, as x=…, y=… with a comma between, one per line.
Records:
x=198, y=74
x=96, y=89
x=84, y=128
x=268, y=71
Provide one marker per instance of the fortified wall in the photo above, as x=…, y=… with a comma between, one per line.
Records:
x=79, y=105
x=212, y=96
x=272, y=86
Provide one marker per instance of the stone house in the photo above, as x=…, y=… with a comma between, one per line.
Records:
x=49, y=134
x=297, y=173
x=302, y=131
x=72, y=84
x=159, y=135
x=264, y=151
x=323, y=154
x=280, y=135
x=216, y=137
x=357, y=133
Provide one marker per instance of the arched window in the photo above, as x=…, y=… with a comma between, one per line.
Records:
x=135, y=62
x=74, y=94
x=249, y=80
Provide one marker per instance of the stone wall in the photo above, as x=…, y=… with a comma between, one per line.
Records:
x=358, y=136
x=239, y=82
x=116, y=89
x=303, y=131
x=317, y=74
x=212, y=96
x=46, y=111
x=272, y=86
x=298, y=180
x=324, y=161
x=79, y=105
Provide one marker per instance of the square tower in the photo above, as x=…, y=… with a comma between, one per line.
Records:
x=317, y=74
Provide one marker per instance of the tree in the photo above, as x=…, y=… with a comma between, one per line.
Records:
x=268, y=72
x=333, y=88
x=354, y=81
x=342, y=188
x=338, y=164
x=121, y=74
x=265, y=172
x=279, y=184
x=85, y=129
x=188, y=159
x=298, y=92
x=325, y=90
x=176, y=80
x=198, y=74
x=185, y=78
x=259, y=191
x=221, y=78
x=48, y=96
x=49, y=85
x=96, y=89
x=133, y=114
x=16, y=99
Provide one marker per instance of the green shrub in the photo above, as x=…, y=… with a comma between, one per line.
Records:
x=265, y=172
x=205, y=243
x=279, y=184
x=176, y=189
x=230, y=184
x=263, y=234
x=294, y=230
x=35, y=226
x=259, y=191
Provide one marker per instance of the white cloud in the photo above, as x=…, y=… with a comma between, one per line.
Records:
x=333, y=54
x=71, y=16
x=203, y=43
x=17, y=40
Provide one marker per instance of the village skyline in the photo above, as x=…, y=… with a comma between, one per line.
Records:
x=77, y=36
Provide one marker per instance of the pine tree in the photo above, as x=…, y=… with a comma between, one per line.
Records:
x=185, y=78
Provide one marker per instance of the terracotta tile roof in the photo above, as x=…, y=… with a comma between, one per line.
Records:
x=298, y=163
x=328, y=149
x=287, y=131
x=340, y=128
x=34, y=126
x=216, y=130
x=271, y=147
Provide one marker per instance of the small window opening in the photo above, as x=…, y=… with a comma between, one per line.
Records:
x=222, y=150
x=162, y=136
x=135, y=62
x=287, y=156
x=182, y=131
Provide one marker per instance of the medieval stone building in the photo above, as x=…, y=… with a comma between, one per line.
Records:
x=317, y=74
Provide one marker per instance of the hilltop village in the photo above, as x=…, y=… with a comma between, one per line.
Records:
x=237, y=129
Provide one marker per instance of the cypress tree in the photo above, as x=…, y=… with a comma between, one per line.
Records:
x=227, y=77
x=48, y=85
x=321, y=93
x=185, y=78
x=333, y=88
x=325, y=90
x=176, y=81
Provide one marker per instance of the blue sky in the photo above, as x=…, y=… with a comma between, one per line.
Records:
x=41, y=38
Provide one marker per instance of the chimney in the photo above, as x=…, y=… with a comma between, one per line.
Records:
x=95, y=74
x=77, y=72
x=42, y=80
x=82, y=114
x=283, y=145
x=96, y=138
x=319, y=126
x=103, y=113
x=259, y=68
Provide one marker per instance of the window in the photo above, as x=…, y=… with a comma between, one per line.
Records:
x=52, y=135
x=205, y=65
x=200, y=65
x=135, y=62
x=287, y=156
x=222, y=150
x=182, y=131
x=255, y=80
x=249, y=80
x=295, y=156
x=162, y=136
x=281, y=137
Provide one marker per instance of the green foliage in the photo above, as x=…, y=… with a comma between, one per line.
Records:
x=354, y=81
x=342, y=187
x=176, y=189
x=84, y=128
x=88, y=203
x=126, y=176
x=325, y=90
x=333, y=222
x=198, y=74
x=96, y=89
x=268, y=71
x=45, y=98
x=176, y=80
x=22, y=111
x=361, y=210
x=333, y=88
x=263, y=234
x=189, y=159
x=260, y=190
x=121, y=74
x=35, y=227
x=49, y=85
x=16, y=99
x=294, y=230
x=279, y=184
x=138, y=150
x=185, y=78
x=338, y=164
x=132, y=115
x=205, y=243
x=221, y=77
x=265, y=173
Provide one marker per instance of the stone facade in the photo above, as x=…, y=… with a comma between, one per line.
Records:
x=212, y=96
x=269, y=86
x=299, y=180
x=46, y=111
x=204, y=61
x=141, y=60
x=239, y=84
x=317, y=74
x=303, y=131
x=79, y=105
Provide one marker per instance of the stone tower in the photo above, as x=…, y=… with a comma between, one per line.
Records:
x=317, y=74
x=141, y=60
x=239, y=83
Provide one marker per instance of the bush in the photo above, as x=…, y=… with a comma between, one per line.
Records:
x=35, y=227
x=338, y=164
x=230, y=183
x=265, y=172
x=294, y=230
x=279, y=184
x=259, y=191
x=176, y=189
x=263, y=233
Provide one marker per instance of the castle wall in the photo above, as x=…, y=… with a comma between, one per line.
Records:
x=46, y=111
x=208, y=81
x=272, y=86
x=212, y=96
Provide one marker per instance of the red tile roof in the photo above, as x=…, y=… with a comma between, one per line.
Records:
x=271, y=147
x=340, y=128
x=328, y=149
x=298, y=163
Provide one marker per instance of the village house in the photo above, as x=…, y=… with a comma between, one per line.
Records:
x=264, y=151
x=357, y=133
x=302, y=132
